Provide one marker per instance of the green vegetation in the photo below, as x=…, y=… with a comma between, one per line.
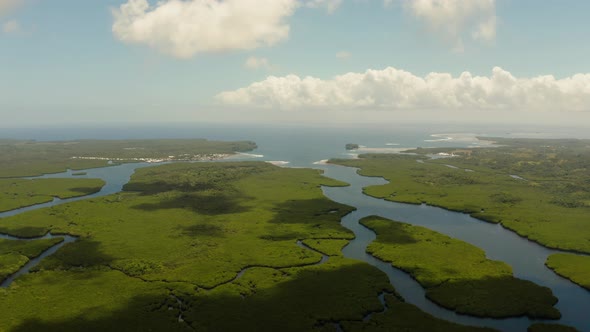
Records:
x=15, y=254
x=351, y=146
x=222, y=217
x=329, y=247
x=402, y=316
x=85, y=300
x=30, y=158
x=541, y=327
x=196, y=246
x=549, y=205
x=187, y=230
x=17, y=193
x=29, y=249
x=458, y=275
x=573, y=267
x=10, y=264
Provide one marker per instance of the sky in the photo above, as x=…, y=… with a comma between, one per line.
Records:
x=295, y=61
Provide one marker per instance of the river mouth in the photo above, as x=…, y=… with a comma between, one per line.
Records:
x=526, y=258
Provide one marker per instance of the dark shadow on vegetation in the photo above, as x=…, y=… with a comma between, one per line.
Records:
x=496, y=297
x=202, y=229
x=396, y=234
x=282, y=236
x=82, y=253
x=193, y=177
x=476, y=294
x=143, y=313
x=311, y=211
x=299, y=304
x=208, y=204
x=151, y=188
x=300, y=217
x=505, y=198
x=402, y=316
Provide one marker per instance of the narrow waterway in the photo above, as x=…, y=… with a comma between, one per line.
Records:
x=35, y=261
x=526, y=258
x=115, y=178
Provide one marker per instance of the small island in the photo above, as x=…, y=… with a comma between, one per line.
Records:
x=352, y=146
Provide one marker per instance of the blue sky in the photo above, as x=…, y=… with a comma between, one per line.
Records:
x=61, y=59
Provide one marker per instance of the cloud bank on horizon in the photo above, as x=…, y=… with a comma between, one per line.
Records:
x=394, y=89
x=361, y=56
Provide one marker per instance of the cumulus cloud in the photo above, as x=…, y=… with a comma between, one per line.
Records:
x=7, y=6
x=185, y=28
x=454, y=19
x=394, y=89
x=258, y=63
x=11, y=27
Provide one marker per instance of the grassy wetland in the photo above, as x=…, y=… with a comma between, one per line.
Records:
x=401, y=316
x=573, y=267
x=15, y=254
x=208, y=246
x=535, y=187
x=194, y=246
x=458, y=275
x=32, y=158
x=17, y=193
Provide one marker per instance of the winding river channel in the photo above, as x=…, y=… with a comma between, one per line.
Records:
x=526, y=258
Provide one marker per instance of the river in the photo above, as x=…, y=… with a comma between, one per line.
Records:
x=305, y=148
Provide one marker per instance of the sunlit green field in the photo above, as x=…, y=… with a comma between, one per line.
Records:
x=550, y=206
x=165, y=254
x=17, y=193
x=209, y=246
x=549, y=203
x=458, y=275
x=574, y=267
x=523, y=206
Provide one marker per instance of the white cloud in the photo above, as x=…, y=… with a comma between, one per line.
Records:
x=343, y=55
x=454, y=19
x=11, y=27
x=7, y=6
x=258, y=63
x=185, y=28
x=329, y=5
x=486, y=30
x=394, y=89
